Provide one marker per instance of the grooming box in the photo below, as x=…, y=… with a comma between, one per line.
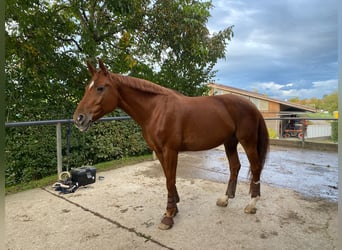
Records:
x=83, y=175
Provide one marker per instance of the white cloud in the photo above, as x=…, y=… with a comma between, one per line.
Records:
x=290, y=90
x=270, y=86
x=279, y=44
x=328, y=84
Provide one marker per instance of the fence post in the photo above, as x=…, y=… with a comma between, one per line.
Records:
x=59, y=147
x=303, y=131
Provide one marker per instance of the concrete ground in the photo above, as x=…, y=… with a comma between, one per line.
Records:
x=123, y=211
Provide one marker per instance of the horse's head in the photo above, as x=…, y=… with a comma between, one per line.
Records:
x=100, y=98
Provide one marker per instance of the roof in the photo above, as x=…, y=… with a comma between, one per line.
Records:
x=288, y=106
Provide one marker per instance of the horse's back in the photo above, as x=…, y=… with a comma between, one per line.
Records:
x=240, y=103
x=233, y=108
x=208, y=121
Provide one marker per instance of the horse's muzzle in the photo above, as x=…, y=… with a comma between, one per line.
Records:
x=82, y=121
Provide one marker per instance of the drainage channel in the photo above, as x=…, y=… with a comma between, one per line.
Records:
x=118, y=224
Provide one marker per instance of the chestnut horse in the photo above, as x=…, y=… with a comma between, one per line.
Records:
x=172, y=122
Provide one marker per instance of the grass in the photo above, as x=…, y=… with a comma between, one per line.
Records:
x=100, y=167
x=49, y=180
x=105, y=166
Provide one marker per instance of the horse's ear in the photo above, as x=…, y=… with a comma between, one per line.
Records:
x=103, y=67
x=91, y=68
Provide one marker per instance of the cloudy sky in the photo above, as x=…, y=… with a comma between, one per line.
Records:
x=281, y=48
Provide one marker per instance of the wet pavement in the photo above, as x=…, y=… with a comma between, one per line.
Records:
x=309, y=172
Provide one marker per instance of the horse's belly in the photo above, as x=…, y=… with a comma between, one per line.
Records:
x=202, y=139
x=206, y=128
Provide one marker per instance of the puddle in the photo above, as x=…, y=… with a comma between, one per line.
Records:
x=312, y=173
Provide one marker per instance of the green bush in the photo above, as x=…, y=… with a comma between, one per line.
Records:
x=106, y=141
x=334, y=131
x=31, y=151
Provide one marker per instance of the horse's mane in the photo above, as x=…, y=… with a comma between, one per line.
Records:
x=143, y=85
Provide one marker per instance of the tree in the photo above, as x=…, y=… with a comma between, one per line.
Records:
x=41, y=78
x=183, y=46
x=327, y=103
x=48, y=42
x=330, y=102
x=165, y=41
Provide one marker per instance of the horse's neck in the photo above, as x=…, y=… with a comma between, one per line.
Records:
x=137, y=103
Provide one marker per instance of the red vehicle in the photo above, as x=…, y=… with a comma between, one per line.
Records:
x=295, y=128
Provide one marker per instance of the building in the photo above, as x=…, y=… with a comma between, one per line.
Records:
x=270, y=108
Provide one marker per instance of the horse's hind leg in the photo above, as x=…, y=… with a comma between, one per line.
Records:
x=256, y=169
x=234, y=165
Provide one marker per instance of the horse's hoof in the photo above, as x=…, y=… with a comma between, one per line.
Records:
x=166, y=223
x=250, y=209
x=163, y=226
x=222, y=202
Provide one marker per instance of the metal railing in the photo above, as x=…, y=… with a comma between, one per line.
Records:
x=58, y=124
x=301, y=119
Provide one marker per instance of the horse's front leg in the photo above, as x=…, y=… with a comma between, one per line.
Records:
x=168, y=160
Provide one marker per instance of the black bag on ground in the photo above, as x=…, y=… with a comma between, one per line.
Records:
x=83, y=175
x=70, y=182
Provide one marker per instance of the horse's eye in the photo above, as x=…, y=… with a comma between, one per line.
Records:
x=100, y=89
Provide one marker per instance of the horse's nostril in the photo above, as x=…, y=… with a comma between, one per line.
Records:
x=80, y=118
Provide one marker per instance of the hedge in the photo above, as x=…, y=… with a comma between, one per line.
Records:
x=31, y=151
x=334, y=131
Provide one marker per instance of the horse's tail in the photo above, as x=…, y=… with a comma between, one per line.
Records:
x=263, y=142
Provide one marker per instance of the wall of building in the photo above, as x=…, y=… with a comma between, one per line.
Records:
x=273, y=111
